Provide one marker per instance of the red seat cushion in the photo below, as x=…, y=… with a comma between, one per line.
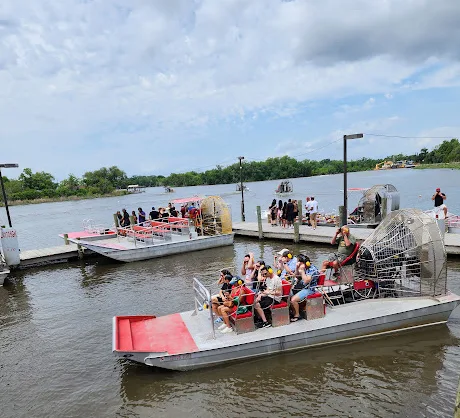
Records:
x=286, y=286
x=315, y=295
x=321, y=278
x=242, y=315
x=282, y=304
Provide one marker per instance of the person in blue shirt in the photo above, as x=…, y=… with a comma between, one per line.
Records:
x=306, y=281
x=286, y=264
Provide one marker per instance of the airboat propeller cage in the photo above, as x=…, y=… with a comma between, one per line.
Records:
x=373, y=200
x=217, y=218
x=405, y=252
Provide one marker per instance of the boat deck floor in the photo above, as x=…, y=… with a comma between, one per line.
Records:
x=184, y=332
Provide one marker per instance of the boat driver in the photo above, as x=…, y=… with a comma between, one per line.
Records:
x=346, y=244
x=439, y=205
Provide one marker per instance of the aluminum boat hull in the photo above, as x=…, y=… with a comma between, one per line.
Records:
x=146, y=252
x=344, y=323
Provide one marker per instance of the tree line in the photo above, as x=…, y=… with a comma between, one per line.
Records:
x=107, y=180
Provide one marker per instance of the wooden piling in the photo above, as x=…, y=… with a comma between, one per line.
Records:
x=79, y=249
x=341, y=214
x=66, y=239
x=259, y=222
x=296, y=232
x=131, y=219
x=115, y=220
x=299, y=208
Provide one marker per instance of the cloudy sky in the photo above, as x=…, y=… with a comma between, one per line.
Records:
x=161, y=86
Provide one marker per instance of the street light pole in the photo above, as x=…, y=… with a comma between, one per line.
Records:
x=3, y=190
x=345, y=186
x=242, y=189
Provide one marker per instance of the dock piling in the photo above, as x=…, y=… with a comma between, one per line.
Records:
x=342, y=215
x=79, y=249
x=115, y=219
x=259, y=222
x=299, y=210
x=296, y=232
x=66, y=239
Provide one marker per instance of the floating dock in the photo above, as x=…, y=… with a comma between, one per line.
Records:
x=322, y=234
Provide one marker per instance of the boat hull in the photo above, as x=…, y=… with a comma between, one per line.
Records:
x=146, y=252
x=341, y=324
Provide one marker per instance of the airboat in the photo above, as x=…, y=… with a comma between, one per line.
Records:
x=284, y=188
x=398, y=283
x=238, y=188
x=169, y=189
x=209, y=225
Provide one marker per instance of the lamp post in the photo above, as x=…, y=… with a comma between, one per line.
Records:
x=3, y=190
x=345, y=187
x=242, y=189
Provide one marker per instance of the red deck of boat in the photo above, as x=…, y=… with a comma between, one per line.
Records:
x=167, y=334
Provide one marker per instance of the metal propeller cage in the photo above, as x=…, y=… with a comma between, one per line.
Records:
x=404, y=256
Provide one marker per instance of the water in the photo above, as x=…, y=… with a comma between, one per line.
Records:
x=55, y=327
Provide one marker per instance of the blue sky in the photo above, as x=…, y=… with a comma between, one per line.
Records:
x=156, y=87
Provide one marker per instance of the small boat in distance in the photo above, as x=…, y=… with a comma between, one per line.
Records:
x=238, y=187
x=284, y=188
x=169, y=189
x=398, y=283
x=208, y=225
x=135, y=188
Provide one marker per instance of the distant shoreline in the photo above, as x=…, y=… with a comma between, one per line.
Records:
x=59, y=199
x=455, y=165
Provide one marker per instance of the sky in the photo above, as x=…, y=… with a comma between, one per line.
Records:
x=156, y=86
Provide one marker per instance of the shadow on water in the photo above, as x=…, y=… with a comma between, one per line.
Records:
x=313, y=382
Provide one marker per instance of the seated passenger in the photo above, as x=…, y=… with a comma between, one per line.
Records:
x=234, y=298
x=346, y=244
x=273, y=292
x=306, y=280
x=256, y=279
x=286, y=263
x=217, y=300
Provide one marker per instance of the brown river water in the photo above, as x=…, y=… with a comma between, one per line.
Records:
x=55, y=326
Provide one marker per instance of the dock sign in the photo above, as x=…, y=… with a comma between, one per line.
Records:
x=10, y=246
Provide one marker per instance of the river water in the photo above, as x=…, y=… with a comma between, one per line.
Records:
x=55, y=326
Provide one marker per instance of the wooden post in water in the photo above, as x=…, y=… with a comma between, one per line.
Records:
x=115, y=219
x=383, y=208
x=131, y=219
x=259, y=222
x=66, y=239
x=79, y=249
x=342, y=215
x=296, y=232
x=299, y=208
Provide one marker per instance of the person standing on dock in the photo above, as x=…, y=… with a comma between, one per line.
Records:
x=439, y=205
x=313, y=212
x=154, y=214
x=307, y=211
x=126, y=221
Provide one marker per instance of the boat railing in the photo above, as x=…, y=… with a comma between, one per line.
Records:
x=202, y=299
x=89, y=225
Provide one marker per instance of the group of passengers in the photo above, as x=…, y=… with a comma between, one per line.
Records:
x=160, y=214
x=267, y=283
x=283, y=214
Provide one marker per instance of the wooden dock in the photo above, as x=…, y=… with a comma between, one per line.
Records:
x=52, y=255
x=322, y=234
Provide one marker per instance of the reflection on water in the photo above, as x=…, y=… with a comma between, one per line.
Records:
x=369, y=378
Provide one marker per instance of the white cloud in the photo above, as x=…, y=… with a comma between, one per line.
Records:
x=85, y=83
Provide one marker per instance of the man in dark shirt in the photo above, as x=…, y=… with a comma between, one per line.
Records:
x=439, y=205
x=126, y=221
x=154, y=214
x=141, y=215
